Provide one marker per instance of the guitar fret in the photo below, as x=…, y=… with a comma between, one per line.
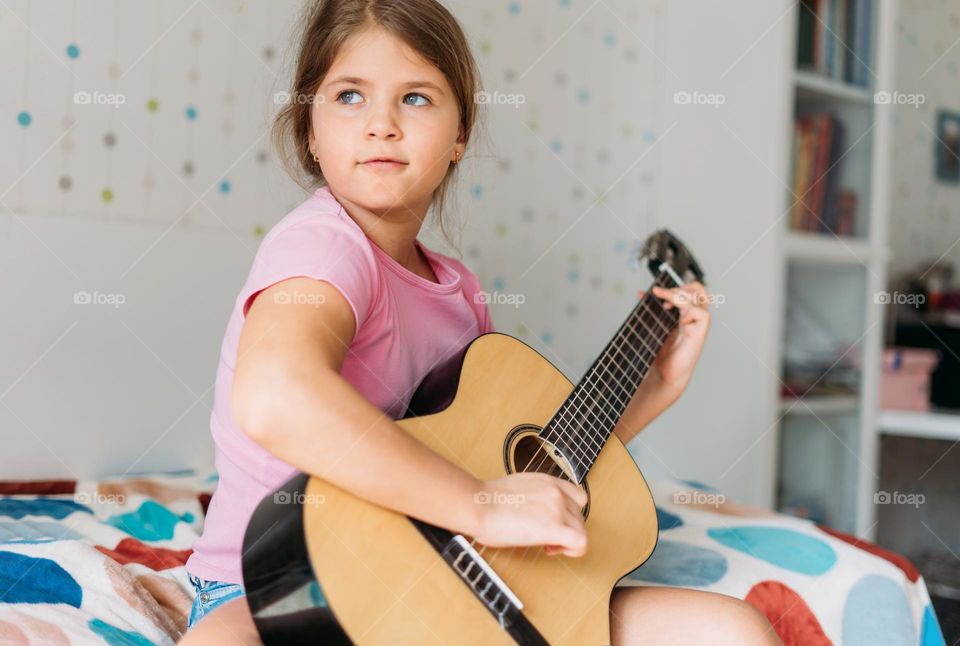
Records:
x=586, y=418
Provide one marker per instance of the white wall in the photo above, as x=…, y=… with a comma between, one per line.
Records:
x=925, y=212
x=722, y=187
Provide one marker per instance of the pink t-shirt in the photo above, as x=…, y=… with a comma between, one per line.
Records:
x=406, y=325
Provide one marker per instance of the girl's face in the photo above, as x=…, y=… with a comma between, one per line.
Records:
x=381, y=99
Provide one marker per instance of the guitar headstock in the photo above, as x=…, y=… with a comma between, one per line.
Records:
x=664, y=248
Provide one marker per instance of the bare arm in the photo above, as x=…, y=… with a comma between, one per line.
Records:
x=289, y=397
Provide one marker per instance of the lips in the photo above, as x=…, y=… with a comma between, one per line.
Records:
x=385, y=160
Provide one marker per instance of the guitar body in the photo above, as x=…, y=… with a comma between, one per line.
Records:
x=322, y=565
x=387, y=585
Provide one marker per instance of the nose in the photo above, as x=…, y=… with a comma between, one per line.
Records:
x=383, y=123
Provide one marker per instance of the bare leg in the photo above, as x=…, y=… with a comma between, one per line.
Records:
x=656, y=615
x=230, y=623
x=638, y=615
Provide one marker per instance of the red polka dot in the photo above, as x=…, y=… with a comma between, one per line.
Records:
x=130, y=550
x=789, y=614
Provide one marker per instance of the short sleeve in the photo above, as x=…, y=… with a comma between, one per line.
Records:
x=472, y=291
x=325, y=248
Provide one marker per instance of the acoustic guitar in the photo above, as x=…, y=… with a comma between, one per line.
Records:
x=322, y=566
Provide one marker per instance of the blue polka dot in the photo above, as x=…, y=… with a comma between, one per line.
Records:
x=573, y=275
x=649, y=136
x=784, y=548
x=547, y=337
x=681, y=564
x=620, y=246
x=609, y=40
x=564, y=3
x=583, y=96
x=33, y=531
x=316, y=595
x=24, y=118
x=191, y=113
x=476, y=191
x=698, y=485
x=116, y=637
x=556, y=145
x=666, y=520
x=151, y=522
x=876, y=612
x=498, y=283
x=50, y=508
x=930, y=634
x=24, y=579
x=225, y=186
x=514, y=8
x=73, y=51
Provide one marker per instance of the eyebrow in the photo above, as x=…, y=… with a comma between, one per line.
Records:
x=410, y=84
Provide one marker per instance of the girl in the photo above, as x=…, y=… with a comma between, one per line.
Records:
x=345, y=311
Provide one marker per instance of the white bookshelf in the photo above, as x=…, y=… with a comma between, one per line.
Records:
x=827, y=444
x=933, y=425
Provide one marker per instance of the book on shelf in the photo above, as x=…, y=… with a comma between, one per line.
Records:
x=819, y=202
x=834, y=39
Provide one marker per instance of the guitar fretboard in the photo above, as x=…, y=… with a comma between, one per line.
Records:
x=583, y=423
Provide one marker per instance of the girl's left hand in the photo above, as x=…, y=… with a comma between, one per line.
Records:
x=677, y=358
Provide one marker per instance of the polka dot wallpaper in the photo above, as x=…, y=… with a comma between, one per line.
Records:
x=156, y=114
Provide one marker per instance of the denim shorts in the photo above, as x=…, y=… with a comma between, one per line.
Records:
x=209, y=595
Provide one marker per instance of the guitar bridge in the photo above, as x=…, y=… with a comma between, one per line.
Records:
x=479, y=577
x=485, y=584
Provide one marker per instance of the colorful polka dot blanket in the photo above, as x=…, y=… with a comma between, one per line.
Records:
x=103, y=562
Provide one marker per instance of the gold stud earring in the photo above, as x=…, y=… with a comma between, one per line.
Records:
x=458, y=158
x=315, y=158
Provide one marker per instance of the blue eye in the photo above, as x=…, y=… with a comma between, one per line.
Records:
x=344, y=93
x=419, y=95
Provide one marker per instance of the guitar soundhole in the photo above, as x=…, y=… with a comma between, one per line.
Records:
x=526, y=452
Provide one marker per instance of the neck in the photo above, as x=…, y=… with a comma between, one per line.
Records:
x=393, y=230
x=585, y=420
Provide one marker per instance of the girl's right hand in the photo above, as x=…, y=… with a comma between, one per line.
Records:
x=522, y=509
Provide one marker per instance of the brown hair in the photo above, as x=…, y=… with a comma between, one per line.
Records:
x=424, y=25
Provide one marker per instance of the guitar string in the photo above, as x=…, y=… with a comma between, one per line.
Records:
x=602, y=405
x=642, y=309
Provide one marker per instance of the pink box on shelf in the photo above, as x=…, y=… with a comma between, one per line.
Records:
x=905, y=382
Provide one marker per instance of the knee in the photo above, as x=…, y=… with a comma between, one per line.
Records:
x=745, y=624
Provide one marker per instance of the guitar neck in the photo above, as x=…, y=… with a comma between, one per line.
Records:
x=584, y=422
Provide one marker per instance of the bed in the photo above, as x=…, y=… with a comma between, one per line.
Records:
x=103, y=562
